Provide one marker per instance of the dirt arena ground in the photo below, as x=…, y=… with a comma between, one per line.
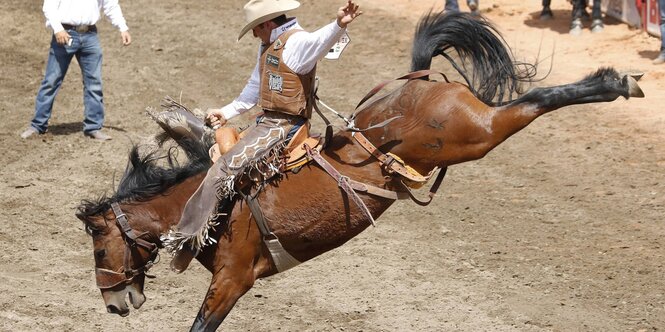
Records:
x=559, y=229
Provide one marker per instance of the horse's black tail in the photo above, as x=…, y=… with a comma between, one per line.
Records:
x=478, y=43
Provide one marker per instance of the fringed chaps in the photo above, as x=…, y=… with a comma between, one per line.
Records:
x=253, y=153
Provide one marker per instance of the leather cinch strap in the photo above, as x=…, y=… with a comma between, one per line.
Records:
x=351, y=186
x=282, y=259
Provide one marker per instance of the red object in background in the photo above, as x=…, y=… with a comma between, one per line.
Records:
x=651, y=17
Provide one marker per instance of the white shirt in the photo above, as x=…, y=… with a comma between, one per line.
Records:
x=301, y=53
x=81, y=12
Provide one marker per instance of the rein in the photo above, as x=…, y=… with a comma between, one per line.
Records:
x=107, y=278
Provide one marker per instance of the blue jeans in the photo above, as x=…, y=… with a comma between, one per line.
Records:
x=452, y=5
x=88, y=52
x=661, y=6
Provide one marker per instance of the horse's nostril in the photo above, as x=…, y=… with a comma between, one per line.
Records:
x=111, y=309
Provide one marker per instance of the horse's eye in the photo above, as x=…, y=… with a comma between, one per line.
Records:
x=99, y=254
x=94, y=232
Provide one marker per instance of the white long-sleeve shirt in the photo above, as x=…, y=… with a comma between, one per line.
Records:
x=301, y=53
x=82, y=12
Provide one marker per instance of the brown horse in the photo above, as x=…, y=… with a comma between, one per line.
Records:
x=435, y=124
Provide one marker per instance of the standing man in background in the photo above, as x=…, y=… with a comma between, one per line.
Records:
x=661, y=57
x=453, y=6
x=75, y=35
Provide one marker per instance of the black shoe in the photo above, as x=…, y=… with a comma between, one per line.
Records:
x=473, y=5
x=576, y=27
x=597, y=26
x=546, y=14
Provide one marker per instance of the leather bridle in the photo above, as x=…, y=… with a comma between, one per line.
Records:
x=107, y=279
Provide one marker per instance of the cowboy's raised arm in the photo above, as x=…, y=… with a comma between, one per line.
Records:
x=306, y=49
x=347, y=14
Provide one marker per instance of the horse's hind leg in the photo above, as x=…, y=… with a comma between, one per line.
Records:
x=604, y=85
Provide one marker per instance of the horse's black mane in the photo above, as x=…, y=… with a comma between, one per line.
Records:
x=478, y=43
x=144, y=177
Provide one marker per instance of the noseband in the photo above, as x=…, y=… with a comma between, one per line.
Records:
x=107, y=278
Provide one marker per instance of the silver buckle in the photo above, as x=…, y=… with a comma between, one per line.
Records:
x=82, y=28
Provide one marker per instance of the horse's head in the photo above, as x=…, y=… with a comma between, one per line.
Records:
x=125, y=245
x=123, y=255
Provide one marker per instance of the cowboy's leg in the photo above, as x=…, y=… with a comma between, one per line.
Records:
x=219, y=186
x=226, y=138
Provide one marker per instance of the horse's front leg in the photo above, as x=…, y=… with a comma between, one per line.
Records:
x=236, y=261
x=228, y=284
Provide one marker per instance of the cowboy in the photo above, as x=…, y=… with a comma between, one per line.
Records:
x=282, y=84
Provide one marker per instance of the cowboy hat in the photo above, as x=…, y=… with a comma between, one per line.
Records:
x=259, y=11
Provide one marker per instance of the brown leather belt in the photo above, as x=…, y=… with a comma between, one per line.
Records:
x=80, y=28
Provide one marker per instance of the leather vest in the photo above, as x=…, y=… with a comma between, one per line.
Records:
x=283, y=90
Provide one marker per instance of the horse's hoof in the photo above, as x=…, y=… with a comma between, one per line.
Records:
x=637, y=75
x=633, y=88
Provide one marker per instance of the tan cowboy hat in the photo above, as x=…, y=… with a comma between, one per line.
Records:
x=259, y=11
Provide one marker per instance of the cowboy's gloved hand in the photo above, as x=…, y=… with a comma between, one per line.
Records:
x=215, y=118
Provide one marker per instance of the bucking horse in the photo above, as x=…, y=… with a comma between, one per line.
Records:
x=400, y=139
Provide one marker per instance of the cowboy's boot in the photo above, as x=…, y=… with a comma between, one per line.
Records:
x=182, y=258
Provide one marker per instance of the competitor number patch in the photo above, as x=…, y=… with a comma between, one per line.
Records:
x=272, y=60
x=275, y=82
